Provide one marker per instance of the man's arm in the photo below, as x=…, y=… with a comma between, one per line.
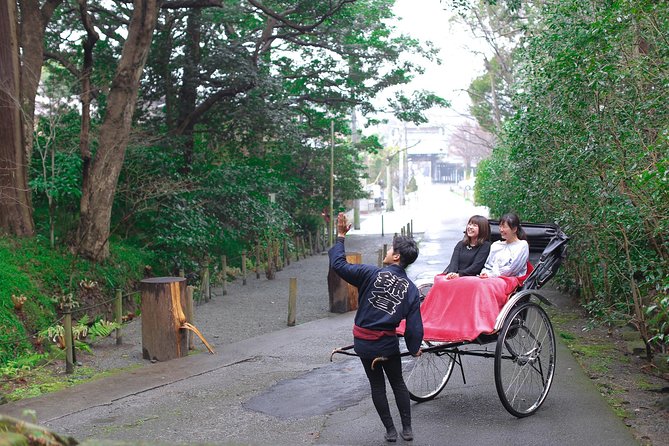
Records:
x=413, y=335
x=353, y=274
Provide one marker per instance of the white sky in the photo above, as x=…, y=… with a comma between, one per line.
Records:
x=430, y=20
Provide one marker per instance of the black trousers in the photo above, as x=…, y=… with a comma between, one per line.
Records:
x=393, y=370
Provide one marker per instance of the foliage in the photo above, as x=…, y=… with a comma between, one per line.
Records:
x=588, y=148
x=81, y=330
x=30, y=268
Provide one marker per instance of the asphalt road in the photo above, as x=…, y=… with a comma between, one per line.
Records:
x=281, y=388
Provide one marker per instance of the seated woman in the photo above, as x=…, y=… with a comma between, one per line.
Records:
x=470, y=254
x=508, y=257
x=461, y=309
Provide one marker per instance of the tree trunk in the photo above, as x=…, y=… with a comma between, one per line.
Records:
x=98, y=196
x=85, y=95
x=188, y=91
x=19, y=79
x=15, y=203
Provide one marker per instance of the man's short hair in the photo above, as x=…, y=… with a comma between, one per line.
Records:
x=407, y=249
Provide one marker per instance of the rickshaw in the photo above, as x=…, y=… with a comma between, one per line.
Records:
x=522, y=341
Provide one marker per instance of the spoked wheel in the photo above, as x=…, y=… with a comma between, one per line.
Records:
x=427, y=375
x=525, y=359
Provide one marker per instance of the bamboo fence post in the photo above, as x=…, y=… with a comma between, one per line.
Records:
x=258, y=260
x=69, y=344
x=243, y=267
x=292, y=301
x=190, y=315
x=118, y=315
x=224, y=273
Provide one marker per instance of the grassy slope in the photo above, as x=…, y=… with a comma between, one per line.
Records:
x=30, y=268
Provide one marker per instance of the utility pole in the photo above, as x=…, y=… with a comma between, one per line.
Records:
x=332, y=216
x=401, y=165
x=354, y=140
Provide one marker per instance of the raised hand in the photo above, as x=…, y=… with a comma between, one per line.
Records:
x=343, y=225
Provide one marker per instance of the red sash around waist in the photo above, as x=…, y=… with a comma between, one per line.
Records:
x=369, y=334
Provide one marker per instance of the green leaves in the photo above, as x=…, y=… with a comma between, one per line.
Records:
x=588, y=148
x=411, y=109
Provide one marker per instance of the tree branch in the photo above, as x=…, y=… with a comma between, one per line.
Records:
x=282, y=17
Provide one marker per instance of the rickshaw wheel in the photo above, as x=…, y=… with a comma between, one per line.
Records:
x=427, y=375
x=525, y=359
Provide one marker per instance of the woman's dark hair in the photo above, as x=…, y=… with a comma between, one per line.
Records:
x=406, y=248
x=484, y=230
x=513, y=221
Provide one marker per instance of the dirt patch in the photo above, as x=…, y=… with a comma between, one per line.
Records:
x=613, y=358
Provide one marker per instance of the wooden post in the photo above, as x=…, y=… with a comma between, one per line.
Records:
x=118, y=313
x=411, y=228
x=224, y=272
x=69, y=343
x=205, y=282
x=163, y=303
x=385, y=250
x=258, y=260
x=382, y=233
x=292, y=301
x=343, y=296
x=381, y=257
x=190, y=315
x=286, y=252
x=277, y=255
x=182, y=272
x=311, y=244
x=243, y=267
x=269, y=272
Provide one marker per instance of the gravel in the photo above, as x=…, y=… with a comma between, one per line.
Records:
x=245, y=311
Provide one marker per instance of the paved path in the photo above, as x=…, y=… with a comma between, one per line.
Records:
x=269, y=385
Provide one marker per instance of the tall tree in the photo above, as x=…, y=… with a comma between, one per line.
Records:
x=15, y=206
x=98, y=196
x=20, y=71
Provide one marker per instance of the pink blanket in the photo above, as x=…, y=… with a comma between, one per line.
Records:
x=461, y=309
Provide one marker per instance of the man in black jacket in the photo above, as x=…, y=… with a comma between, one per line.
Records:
x=385, y=297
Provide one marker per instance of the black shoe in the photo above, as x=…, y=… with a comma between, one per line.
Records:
x=390, y=435
x=407, y=434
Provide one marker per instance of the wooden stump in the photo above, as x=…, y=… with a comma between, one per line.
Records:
x=163, y=304
x=343, y=296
